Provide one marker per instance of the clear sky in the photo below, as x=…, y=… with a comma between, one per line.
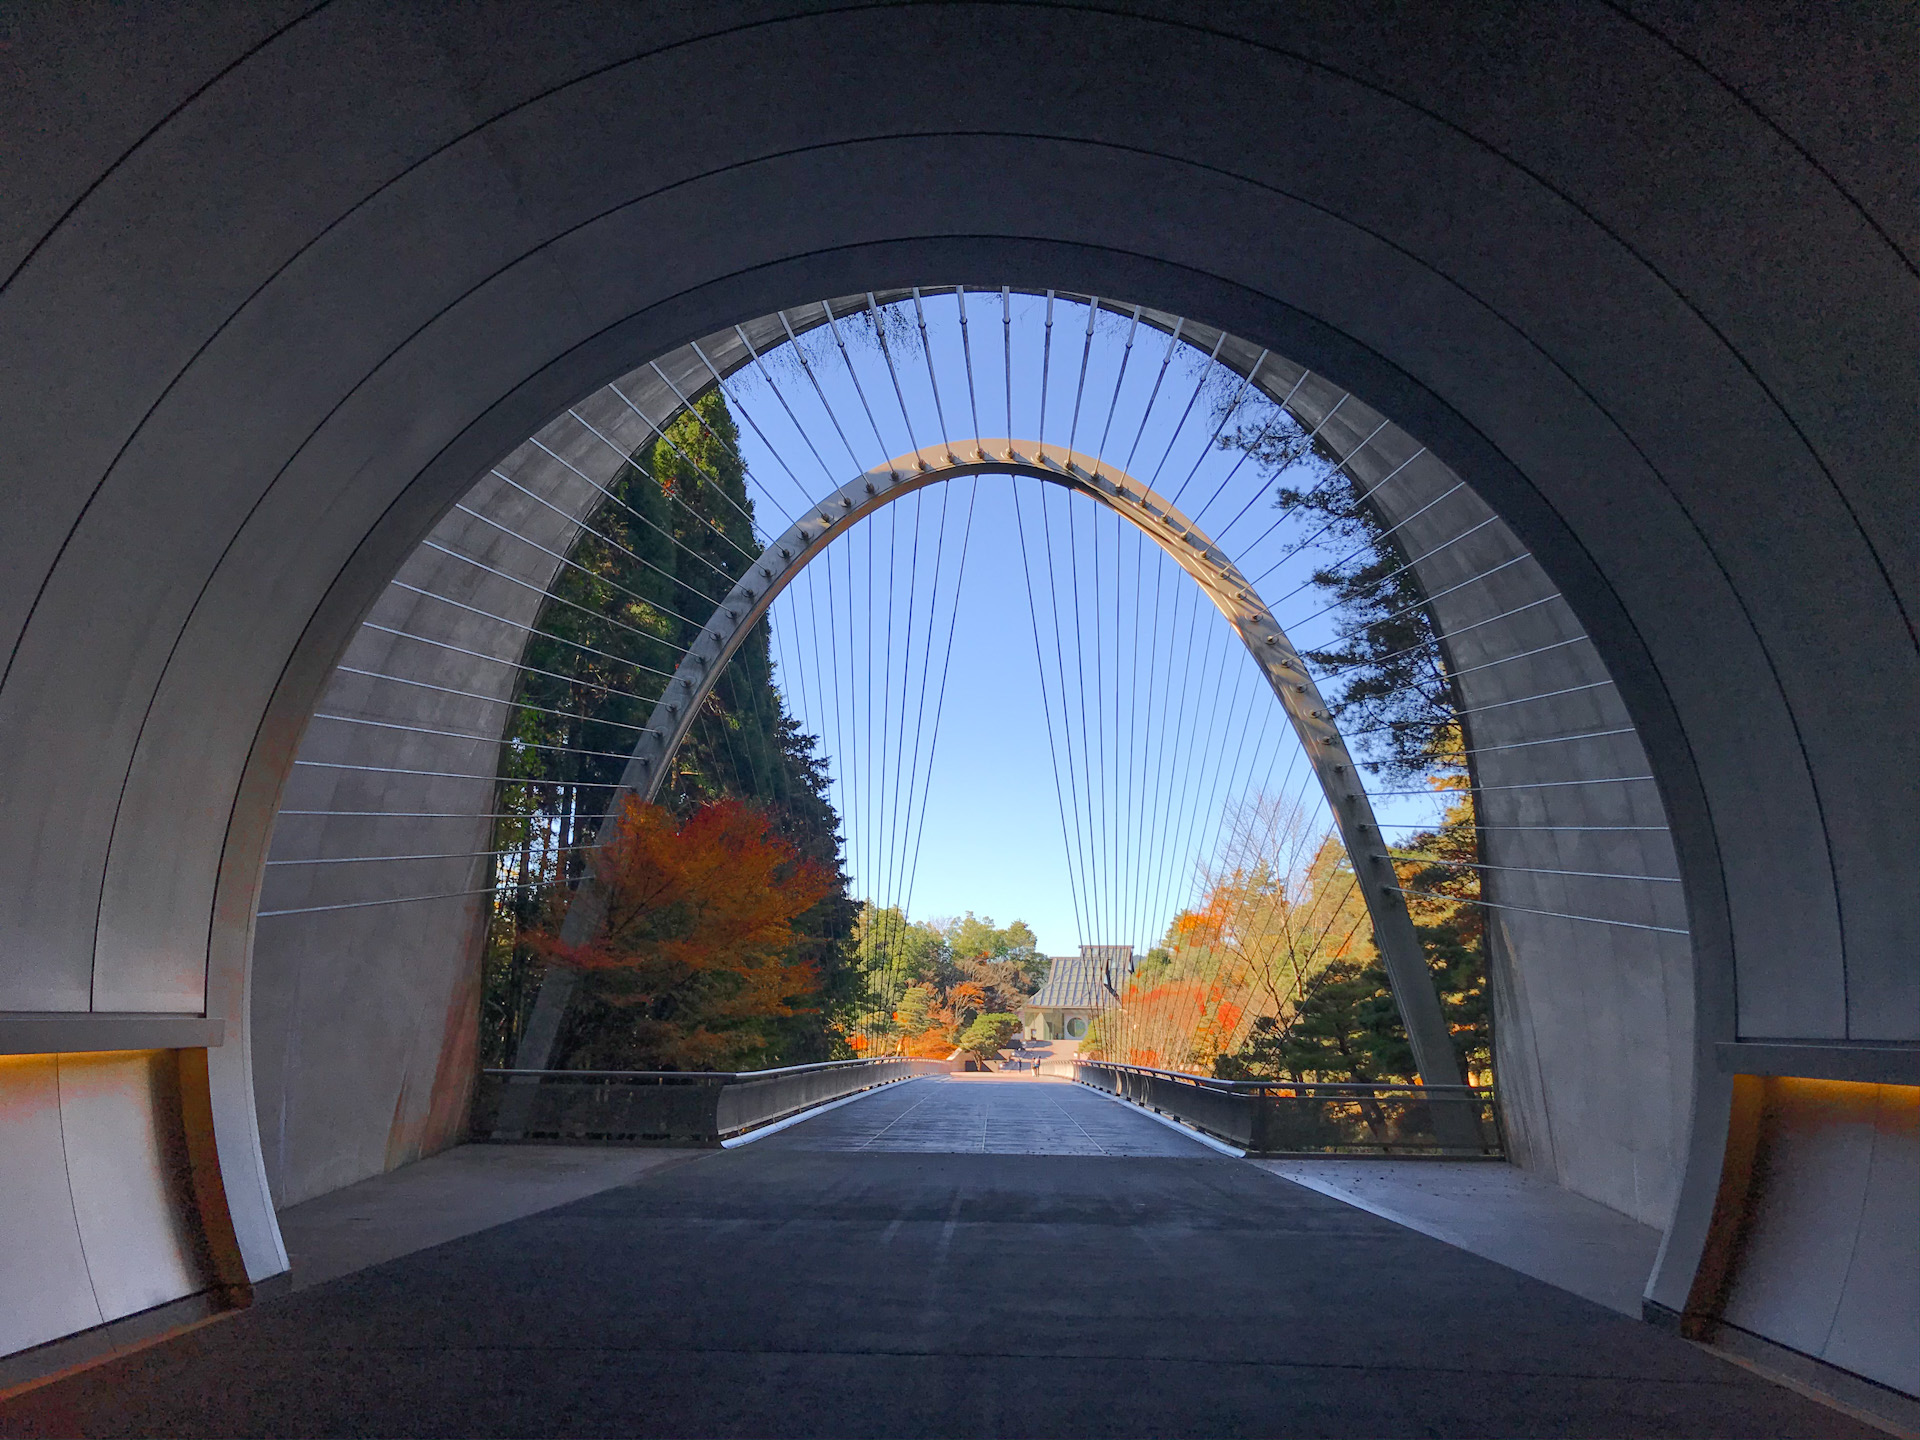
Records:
x=1070, y=763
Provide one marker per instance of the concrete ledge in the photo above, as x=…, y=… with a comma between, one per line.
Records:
x=26, y=1369
x=1500, y=1213
x=1871, y=1062
x=79, y=1032
x=1845, y=1391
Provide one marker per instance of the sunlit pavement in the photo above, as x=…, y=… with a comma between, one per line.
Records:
x=991, y=1114
x=992, y=1255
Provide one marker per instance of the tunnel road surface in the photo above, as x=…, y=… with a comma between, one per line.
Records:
x=989, y=1256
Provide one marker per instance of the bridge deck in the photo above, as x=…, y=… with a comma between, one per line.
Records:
x=990, y=1115
x=949, y=1257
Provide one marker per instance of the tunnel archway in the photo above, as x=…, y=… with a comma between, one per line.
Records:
x=233, y=450
x=1508, y=636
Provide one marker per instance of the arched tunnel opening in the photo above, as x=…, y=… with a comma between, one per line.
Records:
x=1258, y=789
x=500, y=703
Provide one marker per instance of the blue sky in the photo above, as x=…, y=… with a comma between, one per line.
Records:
x=1095, y=837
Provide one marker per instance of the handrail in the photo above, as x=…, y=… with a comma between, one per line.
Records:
x=720, y=1075
x=1302, y=1087
x=669, y=1107
x=1287, y=1117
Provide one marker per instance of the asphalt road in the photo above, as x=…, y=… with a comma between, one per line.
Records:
x=946, y=1257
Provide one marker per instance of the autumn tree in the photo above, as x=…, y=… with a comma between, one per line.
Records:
x=1278, y=903
x=673, y=534
x=1344, y=1024
x=697, y=963
x=967, y=999
x=1398, y=705
x=1005, y=963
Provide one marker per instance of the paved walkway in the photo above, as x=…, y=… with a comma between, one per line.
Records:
x=454, y=1194
x=1014, y=1114
x=1501, y=1212
x=949, y=1257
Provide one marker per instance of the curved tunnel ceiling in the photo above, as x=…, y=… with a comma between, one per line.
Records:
x=1544, y=402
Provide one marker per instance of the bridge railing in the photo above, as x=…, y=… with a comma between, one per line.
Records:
x=668, y=1107
x=1279, y=1117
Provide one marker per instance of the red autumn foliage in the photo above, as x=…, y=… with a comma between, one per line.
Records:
x=1208, y=924
x=698, y=942
x=932, y=1045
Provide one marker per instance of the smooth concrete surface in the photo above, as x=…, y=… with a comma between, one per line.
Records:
x=392, y=989
x=812, y=1284
x=1502, y=1213
x=456, y=1193
x=1593, y=1018
x=97, y=1173
x=1830, y=1262
x=375, y=959
x=283, y=282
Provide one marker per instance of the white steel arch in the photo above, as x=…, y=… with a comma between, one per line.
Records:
x=1209, y=566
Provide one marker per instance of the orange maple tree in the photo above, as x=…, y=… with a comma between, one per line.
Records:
x=698, y=945
x=930, y=1045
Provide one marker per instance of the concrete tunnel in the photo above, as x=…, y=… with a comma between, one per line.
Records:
x=284, y=282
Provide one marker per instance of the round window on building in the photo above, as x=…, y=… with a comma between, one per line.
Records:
x=1076, y=1028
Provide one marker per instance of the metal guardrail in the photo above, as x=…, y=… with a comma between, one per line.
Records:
x=1279, y=1117
x=667, y=1107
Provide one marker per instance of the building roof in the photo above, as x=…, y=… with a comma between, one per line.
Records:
x=1081, y=982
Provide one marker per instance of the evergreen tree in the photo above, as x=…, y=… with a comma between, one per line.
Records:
x=1397, y=700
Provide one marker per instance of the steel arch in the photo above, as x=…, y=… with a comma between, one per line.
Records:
x=1217, y=576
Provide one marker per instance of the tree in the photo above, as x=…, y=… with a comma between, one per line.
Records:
x=915, y=1014
x=1397, y=700
x=892, y=955
x=666, y=545
x=1345, y=1025
x=696, y=961
x=1343, y=1028
x=974, y=940
x=988, y=1034
x=1437, y=869
x=1005, y=965
x=1397, y=704
x=1278, y=904
x=967, y=999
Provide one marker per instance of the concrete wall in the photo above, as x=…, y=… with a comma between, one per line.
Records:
x=366, y=969
x=1827, y=1265
x=98, y=1177
x=365, y=1017
x=276, y=285
x=1593, y=1016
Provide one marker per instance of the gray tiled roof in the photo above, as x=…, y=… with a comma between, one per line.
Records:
x=1079, y=982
